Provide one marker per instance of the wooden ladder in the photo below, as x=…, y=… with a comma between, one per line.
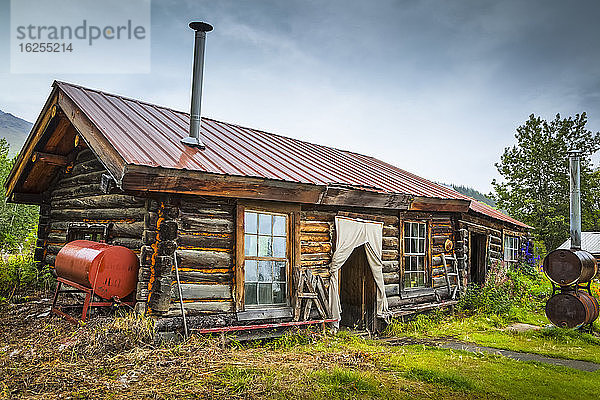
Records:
x=454, y=273
x=313, y=285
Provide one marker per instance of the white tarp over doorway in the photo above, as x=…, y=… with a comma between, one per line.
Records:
x=352, y=233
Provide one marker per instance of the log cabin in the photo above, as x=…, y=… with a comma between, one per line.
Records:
x=252, y=220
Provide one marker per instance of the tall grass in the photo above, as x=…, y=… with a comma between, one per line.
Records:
x=19, y=275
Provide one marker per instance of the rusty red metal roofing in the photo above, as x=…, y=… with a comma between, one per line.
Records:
x=150, y=135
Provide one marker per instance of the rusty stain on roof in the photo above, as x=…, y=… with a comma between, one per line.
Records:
x=150, y=135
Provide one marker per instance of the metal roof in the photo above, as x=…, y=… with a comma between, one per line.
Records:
x=150, y=135
x=590, y=241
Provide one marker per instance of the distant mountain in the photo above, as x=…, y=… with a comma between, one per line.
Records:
x=474, y=193
x=15, y=130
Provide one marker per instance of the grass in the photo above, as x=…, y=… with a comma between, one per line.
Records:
x=491, y=331
x=116, y=358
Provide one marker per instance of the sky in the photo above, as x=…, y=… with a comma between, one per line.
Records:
x=434, y=87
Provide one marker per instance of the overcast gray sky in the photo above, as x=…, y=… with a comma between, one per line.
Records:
x=434, y=87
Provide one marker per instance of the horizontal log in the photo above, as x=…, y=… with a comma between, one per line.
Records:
x=389, y=230
x=199, y=291
x=495, y=247
x=386, y=219
x=435, y=261
x=205, y=206
x=390, y=243
x=315, y=237
x=82, y=179
x=79, y=190
x=315, y=263
x=100, y=202
x=53, y=249
x=306, y=226
x=205, y=240
x=57, y=237
x=204, y=259
x=391, y=266
x=495, y=239
x=315, y=247
x=193, y=223
x=496, y=255
x=389, y=255
x=391, y=277
x=202, y=307
x=392, y=289
x=440, y=239
x=130, y=243
x=206, y=276
x=124, y=229
x=316, y=256
x=320, y=216
x=86, y=167
x=439, y=281
x=95, y=214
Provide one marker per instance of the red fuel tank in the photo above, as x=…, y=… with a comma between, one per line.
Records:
x=109, y=270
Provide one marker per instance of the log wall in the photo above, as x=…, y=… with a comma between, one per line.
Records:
x=205, y=251
x=76, y=198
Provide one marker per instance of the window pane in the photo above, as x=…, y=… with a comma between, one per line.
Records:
x=264, y=224
x=250, y=293
x=250, y=272
x=250, y=222
x=265, y=293
x=264, y=246
x=422, y=230
x=279, y=271
x=421, y=279
x=420, y=264
x=265, y=273
x=279, y=225
x=279, y=293
x=279, y=247
x=422, y=246
x=250, y=245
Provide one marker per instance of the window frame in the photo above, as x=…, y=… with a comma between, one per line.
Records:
x=292, y=250
x=75, y=230
x=511, y=239
x=425, y=255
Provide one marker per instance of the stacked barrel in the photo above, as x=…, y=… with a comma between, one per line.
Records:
x=571, y=272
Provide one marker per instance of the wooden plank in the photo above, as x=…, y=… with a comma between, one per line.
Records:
x=99, y=201
x=272, y=313
x=204, y=259
x=38, y=130
x=392, y=289
x=203, y=307
x=92, y=136
x=434, y=204
x=198, y=291
x=315, y=227
x=239, y=258
x=51, y=159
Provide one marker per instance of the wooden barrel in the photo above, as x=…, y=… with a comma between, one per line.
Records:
x=571, y=309
x=568, y=267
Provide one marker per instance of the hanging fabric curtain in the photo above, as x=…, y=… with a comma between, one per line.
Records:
x=352, y=233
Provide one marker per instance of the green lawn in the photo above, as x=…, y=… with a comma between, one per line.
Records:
x=491, y=331
x=47, y=358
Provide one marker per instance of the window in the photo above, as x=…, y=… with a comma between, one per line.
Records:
x=511, y=248
x=96, y=233
x=414, y=255
x=265, y=258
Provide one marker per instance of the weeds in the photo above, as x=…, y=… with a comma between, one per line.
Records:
x=451, y=380
x=19, y=276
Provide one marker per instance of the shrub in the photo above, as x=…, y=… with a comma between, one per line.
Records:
x=505, y=289
x=19, y=275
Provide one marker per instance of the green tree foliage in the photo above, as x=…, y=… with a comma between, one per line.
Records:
x=17, y=221
x=535, y=189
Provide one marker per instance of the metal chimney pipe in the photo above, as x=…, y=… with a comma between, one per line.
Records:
x=199, y=43
x=575, y=197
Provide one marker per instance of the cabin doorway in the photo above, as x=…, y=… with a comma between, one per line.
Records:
x=478, y=258
x=358, y=296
